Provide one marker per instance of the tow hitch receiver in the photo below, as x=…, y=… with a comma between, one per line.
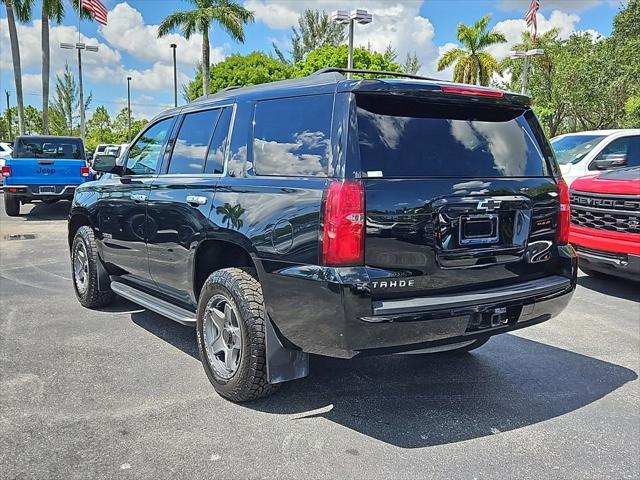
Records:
x=493, y=318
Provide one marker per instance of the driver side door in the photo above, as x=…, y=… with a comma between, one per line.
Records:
x=122, y=206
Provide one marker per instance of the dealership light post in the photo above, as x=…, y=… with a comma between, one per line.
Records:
x=525, y=67
x=175, y=76
x=362, y=17
x=89, y=48
x=129, y=109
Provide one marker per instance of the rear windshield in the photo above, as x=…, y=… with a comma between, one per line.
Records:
x=69, y=148
x=405, y=137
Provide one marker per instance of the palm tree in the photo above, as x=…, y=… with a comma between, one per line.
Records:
x=231, y=16
x=23, y=14
x=473, y=63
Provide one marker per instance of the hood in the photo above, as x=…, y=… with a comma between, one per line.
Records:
x=624, y=181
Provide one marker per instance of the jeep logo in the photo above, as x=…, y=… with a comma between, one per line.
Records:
x=46, y=171
x=393, y=283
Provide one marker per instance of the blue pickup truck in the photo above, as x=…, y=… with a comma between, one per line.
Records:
x=43, y=168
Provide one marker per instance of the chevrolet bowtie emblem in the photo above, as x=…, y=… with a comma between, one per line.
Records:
x=489, y=205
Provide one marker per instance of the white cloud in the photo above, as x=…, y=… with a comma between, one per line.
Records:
x=574, y=5
x=142, y=106
x=31, y=53
x=512, y=29
x=127, y=31
x=396, y=22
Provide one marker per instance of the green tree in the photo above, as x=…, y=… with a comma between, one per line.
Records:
x=242, y=70
x=99, y=129
x=330, y=56
x=472, y=63
x=315, y=30
x=228, y=14
x=66, y=103
x=411, y=64
x=120, y=126
x=549, y=101
x=625, y=41
x=16, y=9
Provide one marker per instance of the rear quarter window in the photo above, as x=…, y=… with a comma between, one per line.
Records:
x=403, y=137
x=292, y=136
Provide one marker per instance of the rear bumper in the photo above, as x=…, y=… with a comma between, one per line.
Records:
x=329, y=311
x=612, y=253
x=32, y=192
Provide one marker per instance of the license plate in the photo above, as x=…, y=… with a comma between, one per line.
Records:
x=47, y=189
x=478, y=229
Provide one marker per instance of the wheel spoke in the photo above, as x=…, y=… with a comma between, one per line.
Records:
x=217, y=317
x=230, y=358
x=218, y=345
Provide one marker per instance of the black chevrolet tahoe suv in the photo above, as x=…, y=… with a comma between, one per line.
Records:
x=330, y=216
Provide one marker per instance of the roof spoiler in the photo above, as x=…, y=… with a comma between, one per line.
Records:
x=375, y=72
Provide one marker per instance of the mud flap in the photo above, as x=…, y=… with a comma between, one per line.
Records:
x=104, y=281
x=284, y=364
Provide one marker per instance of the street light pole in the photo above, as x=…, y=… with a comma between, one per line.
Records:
x=175, y=76
x=342, y=17
x=9, y=116
x=90, y=48
x=128, y=109
x=525, y=66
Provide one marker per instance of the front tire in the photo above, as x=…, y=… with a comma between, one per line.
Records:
x=231, y=330
x=11, y=205
x=84, y=265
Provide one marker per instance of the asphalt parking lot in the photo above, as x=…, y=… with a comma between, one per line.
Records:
x=120, y=393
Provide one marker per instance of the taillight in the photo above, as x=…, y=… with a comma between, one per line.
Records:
x=564, y=217
x=84, y=171
x=6, y=171
x=343, y=236
x=479, y=92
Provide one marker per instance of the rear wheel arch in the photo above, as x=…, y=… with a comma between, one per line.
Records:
x=214, y=254
x=76, y=221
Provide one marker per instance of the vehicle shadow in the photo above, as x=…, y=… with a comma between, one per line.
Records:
x=616, y=287
x=414, y=401
x=44, y=212
x=180, y=336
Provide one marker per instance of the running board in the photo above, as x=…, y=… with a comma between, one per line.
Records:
x=166, y=309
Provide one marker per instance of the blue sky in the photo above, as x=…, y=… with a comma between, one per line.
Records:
x=128, y=44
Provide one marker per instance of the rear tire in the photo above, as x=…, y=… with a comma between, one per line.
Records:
x=84, y=269
x=231, y=330
x=11, y=205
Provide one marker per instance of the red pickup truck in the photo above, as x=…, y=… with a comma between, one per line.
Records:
x=605, y=223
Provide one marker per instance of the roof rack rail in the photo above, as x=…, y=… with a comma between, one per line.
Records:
x=230, y=87
x=375, y=72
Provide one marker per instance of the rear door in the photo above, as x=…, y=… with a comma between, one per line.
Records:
x=122, y=206
x=180, y=200
x=459, y=196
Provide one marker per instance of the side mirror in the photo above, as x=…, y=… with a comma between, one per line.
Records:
x=106, y=164
x=614, y=160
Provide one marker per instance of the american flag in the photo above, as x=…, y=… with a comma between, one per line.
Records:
x=530, y=17
x=98, y=10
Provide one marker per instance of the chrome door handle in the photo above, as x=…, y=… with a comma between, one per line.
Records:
x=195, y=200
x=138, y=197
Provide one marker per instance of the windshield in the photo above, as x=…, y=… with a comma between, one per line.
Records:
x=48, y=147
x=403, y=137
x=573, y=148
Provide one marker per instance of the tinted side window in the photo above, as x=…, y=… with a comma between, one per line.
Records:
x=218, y=146
x=292, y=136
x=192, y=142
x=144, y=154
